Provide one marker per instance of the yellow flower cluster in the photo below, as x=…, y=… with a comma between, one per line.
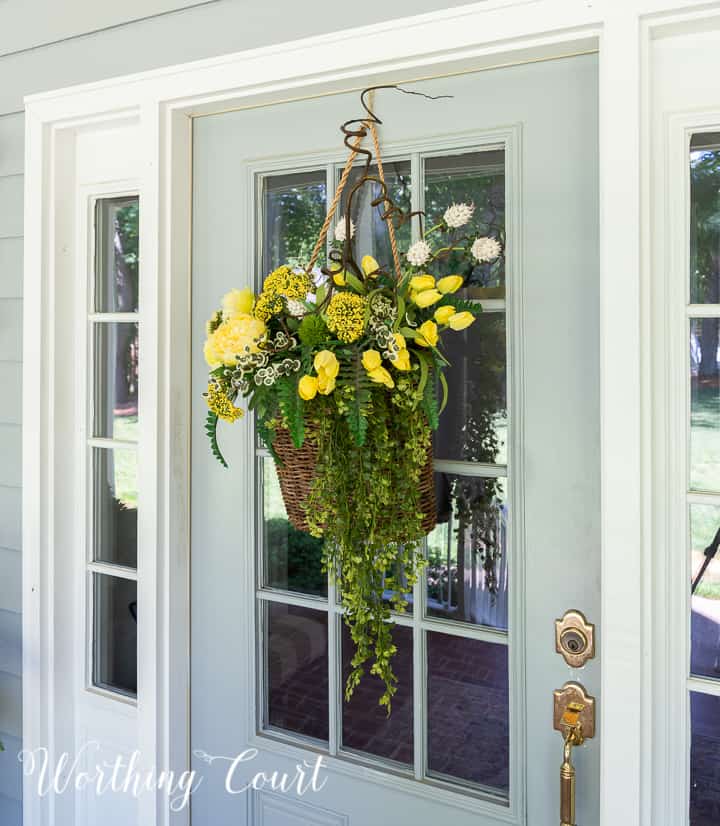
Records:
x=234, y=337
x=284, y=282
x=327, y=367
x=425, y=291
x=346, y=316
x=219, y=403
x=372, y=362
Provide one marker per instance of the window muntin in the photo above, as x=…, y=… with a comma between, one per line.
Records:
x=482, y=630
x=113, y=335
x=702, y=482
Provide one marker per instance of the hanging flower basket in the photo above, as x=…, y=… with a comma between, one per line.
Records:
x=344, y=370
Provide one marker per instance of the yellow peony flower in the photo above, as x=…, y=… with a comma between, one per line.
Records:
x=381, y=376
x=450, y=284
x=307, y=387
x=460, y=321
x=428, y=297
x=237, y=303
x=235, y=337
x=422, y=282
x=428, y=334
x=402, y=361
x=326, y=363
x=326, y=384
x=371, y=360
x=444, y=313
x=369, y=265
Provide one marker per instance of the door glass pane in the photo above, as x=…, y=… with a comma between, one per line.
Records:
x=115, y=634
x=473, y=426
x=115, y=503
x=116, y=266
x=705, y=404
x=296, y=670
x=371, y=234
x=705, y=760
x=366, y=725
x=467, y=572
x=478, y=178
x=705, y=219
x=293, y=213
x=116, y=380
x=705, y=569
x=468, y=726
x=292, y=558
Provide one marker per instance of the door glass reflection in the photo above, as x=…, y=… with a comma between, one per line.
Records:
x=705, y=568
x=467, y=572
x=705, y=219
x=292, y=558
x=705, y=760
x=115, y=634
x=705, y=404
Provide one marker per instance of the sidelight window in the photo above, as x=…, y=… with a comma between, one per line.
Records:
x=703, y=478
x=113, y=338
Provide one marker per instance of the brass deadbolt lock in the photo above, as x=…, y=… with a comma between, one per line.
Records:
x=575, y=638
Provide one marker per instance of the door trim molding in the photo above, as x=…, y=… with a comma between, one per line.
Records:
x=490, y=33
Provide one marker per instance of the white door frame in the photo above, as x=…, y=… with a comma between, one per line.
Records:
x=160, y=104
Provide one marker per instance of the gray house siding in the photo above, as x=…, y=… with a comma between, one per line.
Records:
x=188, y=34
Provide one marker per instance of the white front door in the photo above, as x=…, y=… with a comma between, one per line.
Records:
x=471, y=734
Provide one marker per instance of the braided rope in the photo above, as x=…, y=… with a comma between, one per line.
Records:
x=333, y=205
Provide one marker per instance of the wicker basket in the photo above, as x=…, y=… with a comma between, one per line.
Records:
x=298, y=471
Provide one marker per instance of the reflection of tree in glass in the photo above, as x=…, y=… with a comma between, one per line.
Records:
x=705, y=252
x=293, y=218
x=487, y=192
x=295, y=558
x=125, y=241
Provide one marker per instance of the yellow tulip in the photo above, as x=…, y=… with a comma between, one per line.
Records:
x=450, y=284
x=237, y=303
x=444, y=314
x=402, y=361
x=381, y=376
x=308, y=387
x=369, y=265
x=427, y=298
x=326, y=364
x=428, y=334
x=460, y=321
x=400, y=341
x=422, y=282
x=326, y=384
x=339, y=278
x=371, y=360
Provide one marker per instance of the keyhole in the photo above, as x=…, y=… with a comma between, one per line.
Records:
x=574, y=642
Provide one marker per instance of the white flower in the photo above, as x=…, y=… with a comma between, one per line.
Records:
x=295, y=308
x=340, y=229
x=485, y=249
x=311, y=298
x=319, y=278
x=457, y=215
x=419, y=253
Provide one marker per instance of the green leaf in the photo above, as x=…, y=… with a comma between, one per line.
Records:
x=430, y=404
x=400, y=312
x=211, y=429
x=354, y=282
x=443, y=382
x=424, y=369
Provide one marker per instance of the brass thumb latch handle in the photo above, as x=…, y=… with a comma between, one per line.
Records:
x=574, y=718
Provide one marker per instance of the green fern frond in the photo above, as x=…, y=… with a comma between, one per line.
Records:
x=292, y=408
x=211, y=429
x=430, y=403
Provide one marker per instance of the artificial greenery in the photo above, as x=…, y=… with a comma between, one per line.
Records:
x=351, y=356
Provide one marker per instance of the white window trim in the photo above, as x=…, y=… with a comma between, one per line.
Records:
x=163, y=101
